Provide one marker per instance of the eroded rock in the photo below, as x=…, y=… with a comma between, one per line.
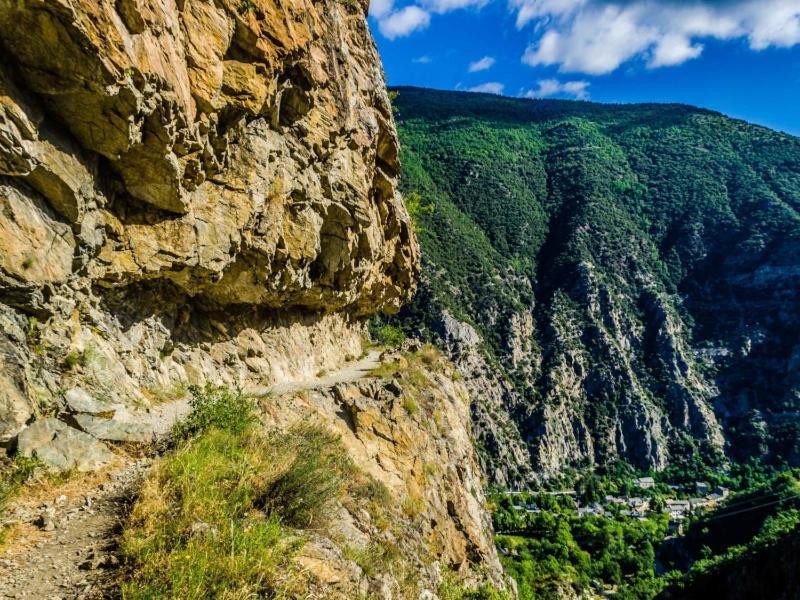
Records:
x=61, y=447
x=239, y=168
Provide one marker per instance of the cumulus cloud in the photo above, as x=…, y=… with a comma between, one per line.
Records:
x=553, y=87
x=380, y=8
x=597, y=36
x=487, y=62
x=490, y=87
x=422, y=60
x=400, y=23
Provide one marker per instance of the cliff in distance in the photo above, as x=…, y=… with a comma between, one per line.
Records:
x=616, y=283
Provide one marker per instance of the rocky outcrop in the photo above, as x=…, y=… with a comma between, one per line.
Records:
x=504, y=455
x=59, y=445
x=410, y=431
x=191, y=191
x=206, y=192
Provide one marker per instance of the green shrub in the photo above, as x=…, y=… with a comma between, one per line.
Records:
x=317, y=472
x=73, y=359
x=417, y=209
x=389, y=335
x=214, y=406
x=410, y=405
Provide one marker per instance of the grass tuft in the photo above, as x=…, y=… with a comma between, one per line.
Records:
x=318, y=472
x=13, y=475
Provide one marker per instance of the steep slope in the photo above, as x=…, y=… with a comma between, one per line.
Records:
x=206, y=193
x=627, y=277
x=412, y=514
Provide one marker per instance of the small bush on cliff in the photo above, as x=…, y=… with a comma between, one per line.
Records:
x=218, y=407
x=318, y=470
x=418, y=209
x=385, y=334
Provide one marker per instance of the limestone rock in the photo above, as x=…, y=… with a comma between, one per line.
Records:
x=419, y=445
x=251, y=155
x=61, y=447
x=80, y=401
x=15, y=407
x=114, y=430
x=190, y=192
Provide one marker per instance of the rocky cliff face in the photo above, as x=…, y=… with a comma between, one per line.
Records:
x=190, y=191
x=410, y=430
x=206, y=191
x=616, y=283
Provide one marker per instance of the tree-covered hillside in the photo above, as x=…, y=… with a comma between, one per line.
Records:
x=632, y=274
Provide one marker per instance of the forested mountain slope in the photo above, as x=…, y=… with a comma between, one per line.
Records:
x=616, y=282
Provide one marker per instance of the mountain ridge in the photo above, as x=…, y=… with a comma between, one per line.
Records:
x=602, y=236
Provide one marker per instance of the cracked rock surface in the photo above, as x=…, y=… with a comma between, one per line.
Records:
x=189, y=192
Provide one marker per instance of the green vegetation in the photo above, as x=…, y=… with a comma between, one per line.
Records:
x=385, y=334
x=13, y=474
x=452, y=589
x=631, y=233
x=222, y=514
x=556, y=550
x=85, y=358
x=553, y=549
x=747, y=549
x=417, y=209
x=215, y=407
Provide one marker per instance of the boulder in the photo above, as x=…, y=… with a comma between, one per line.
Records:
x=114, y=430
x=78, y=400
x=104, y=420
x=63, y=448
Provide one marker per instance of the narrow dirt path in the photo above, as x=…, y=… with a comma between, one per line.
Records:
x=66, y=548
x=70, y=548
x=347, y=374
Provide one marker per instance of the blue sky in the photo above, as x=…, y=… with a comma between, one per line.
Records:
x=741, y=57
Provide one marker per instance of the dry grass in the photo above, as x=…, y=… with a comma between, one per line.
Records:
x=157, y=395
x=412, y=366
x=26, y=483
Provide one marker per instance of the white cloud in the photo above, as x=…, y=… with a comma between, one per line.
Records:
x=380, y=8
x=554, y=87
x=394, y=23
x=490, y=87
x=597, y=36
x=422, y=60
x=487, y=62
x=403, y=22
